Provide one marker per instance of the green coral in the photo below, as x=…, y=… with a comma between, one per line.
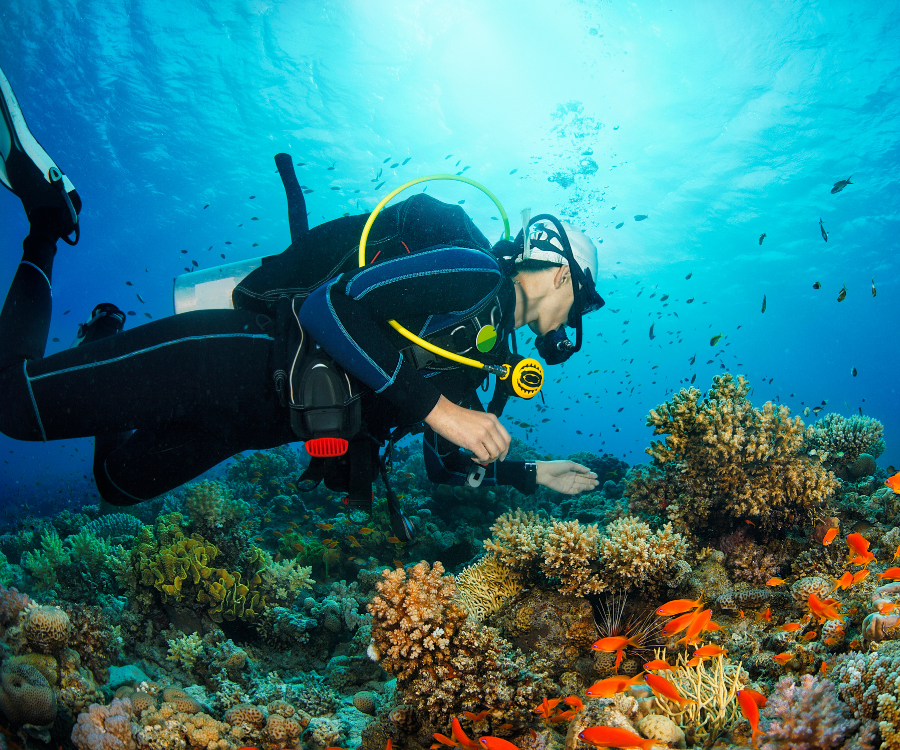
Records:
x=182, y=568
x=185, y=650
x=44, y=563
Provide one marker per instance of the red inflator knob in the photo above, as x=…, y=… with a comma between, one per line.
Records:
x=326, y=447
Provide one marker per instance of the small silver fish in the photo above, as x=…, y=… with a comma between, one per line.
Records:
x=822, y=229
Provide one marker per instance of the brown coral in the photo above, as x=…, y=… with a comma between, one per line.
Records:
x=26, y=696
x=246, y=714
x=445, y=664
x=46, y=629
x=105, y=727
x=631, y=555
x=723, y=457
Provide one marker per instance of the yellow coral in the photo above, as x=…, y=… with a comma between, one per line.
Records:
x=721, y=455
x=568, y=552
x=485, y=586
x=631, y=555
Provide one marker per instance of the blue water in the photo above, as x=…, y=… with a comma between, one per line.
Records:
x=719, y=122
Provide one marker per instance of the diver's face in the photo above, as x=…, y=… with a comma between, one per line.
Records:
x=558, y=299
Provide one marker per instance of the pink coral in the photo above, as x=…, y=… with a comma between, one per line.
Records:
x=811, y=716
x=11, y=605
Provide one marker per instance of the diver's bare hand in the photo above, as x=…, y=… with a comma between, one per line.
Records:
x=566, y=477
x=479, y=433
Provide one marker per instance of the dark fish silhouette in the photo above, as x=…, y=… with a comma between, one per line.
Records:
x=252, y=197
x=664, y=298
x=689, y=275
x=379, y=186
x=405, y=161
x=395, y=165
x=873, y=287
x=620, y=225
x=206, y=206
x=843, y=294
x=689, y=300
x=641, y=217
x=764, y=303
x=513, y=171
x=447, y=156
x=386, y=160
x=693, y=378
x=853, y=372
x=128, y=283
x=715, y=339
x=140, y=299
x=651, y=331
x=840, y=185
x=331, y=168
x=816, y=285
x=762, y=237
x=822, y=229
x=693, y=359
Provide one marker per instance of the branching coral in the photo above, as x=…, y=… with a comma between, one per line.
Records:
x=712, y=687
x=631, y=555
x=870, y=684
x=723, y=457
x=811, y=715
x=628, y=554
x=444, y=663
x=841, y=440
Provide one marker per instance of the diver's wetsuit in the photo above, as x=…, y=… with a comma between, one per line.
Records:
x=198, y=387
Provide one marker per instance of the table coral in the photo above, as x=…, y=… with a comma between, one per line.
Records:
x=722, y=457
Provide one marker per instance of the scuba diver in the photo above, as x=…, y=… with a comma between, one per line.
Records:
x=305, y=345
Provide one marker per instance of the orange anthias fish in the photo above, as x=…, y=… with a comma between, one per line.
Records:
x=366, y=530
x=843, y=582
x=394, y=540
x=790, y=627
x=678, y=624
x=658, y=665
x=750, y=710
x=767, y=615
x=829, y=536
x=758, y=698
x=859, y=575
x=475, y=718
x=710, y=650
x=614, y=737
x=823, y=610
x=887, y=608
x=666, y=689
x=677, y=606
x=783, y=658
x=892, y=573
x=810, y=636
x=615, y=643
x=611, y=685
x=696, y=627
x=774, y=581
x=546, y=706
x=574, y=701
x=497, y=743
x=894, y=483
x=461, y=737
x=325, y=526
x=860, y=545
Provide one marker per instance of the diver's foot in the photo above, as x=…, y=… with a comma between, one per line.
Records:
x=106, y=320
x=27, y=170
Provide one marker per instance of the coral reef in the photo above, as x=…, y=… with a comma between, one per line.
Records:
x=723, y=458
x=485, y=586
x=582, y=560
x=811, y=715
x=840, y=441
x=870, y=685
x=26, y=696
x=444, y=663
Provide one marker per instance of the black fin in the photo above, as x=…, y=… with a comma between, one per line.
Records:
x=299, y=224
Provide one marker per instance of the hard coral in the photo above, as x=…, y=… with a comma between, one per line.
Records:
x=445, y=664
x=812, y=716
x=633, y=556
x=870, y=684
x=485, y=586
x=840, y=441
x=105, y=727
x=723, y=457
x=12, y=603
x=26, y=696
x=46, y=629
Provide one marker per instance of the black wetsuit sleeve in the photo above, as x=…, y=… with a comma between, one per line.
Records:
x=348, y=316
x=447, y=464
